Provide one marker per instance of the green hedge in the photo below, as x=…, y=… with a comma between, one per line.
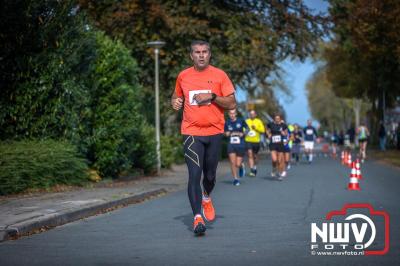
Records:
x=119, y=136
x=68, y=80
x=39, y=164
x=171, y=150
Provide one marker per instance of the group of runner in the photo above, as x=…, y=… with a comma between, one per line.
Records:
x=204, y=92
x=244, y=137
x=361, y=134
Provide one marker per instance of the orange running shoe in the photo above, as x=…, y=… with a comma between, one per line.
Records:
x=208, y=209
x=199, y=226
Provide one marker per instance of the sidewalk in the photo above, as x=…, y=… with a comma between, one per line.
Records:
x=23, y=215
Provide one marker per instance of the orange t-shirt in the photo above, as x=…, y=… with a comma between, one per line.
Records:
x=204, y=120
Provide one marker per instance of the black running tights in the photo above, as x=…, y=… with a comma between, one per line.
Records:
x=201, y=156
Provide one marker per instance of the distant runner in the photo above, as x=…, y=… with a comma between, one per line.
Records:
x=310, y=134
x=297, y=137
x=363, y=134
x=287, y=147
x=253, y=139
x=334, y=143
x=235, y=130
x=276, y=130
x=203, y=91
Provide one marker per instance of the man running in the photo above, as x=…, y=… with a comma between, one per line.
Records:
x=334, y=143
x=297, y=140
x=253, y=139
x=203, y=91
x=286, y=147
x=310, y=134
x=275, y=131
x=363, y=134
x=235, y=130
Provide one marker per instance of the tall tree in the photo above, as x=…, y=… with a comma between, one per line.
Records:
x=364, y=60
x=333, y=112
x=248, y=38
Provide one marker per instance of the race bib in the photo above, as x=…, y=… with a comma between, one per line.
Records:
x=276, y=139
x=193, y=93
x=235, y=140
x=309, y=132
x=251, y=133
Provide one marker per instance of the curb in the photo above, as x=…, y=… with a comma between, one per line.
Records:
x=50, y=221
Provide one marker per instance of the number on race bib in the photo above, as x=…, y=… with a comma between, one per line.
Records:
x=235, y=140
x=251, y=133
x=276, y=139
x=309, y=132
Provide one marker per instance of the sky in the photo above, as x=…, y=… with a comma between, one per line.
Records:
x=297, y=74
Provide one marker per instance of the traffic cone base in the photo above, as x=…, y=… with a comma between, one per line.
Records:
x=353, y=184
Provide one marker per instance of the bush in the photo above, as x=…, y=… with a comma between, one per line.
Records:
x=120, y=137
x=171, y=150
x=39, y=164
x=64, y=79
x=47, y=52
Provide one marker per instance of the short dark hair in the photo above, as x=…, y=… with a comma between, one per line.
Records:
x=199, y=42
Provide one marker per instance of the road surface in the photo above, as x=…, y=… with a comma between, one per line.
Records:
x=261, y=222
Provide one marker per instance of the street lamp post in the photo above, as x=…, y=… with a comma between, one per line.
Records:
x=157, y=45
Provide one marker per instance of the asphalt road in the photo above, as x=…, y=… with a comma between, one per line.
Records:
x=262, y=222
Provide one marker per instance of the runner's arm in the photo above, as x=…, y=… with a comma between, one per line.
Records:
x=226, y=102
x=267, y=133
x=227, y=133
x=245, y=128
x=176, y=102
x=260, y=127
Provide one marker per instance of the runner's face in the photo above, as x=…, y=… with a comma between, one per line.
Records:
x=201, y=56
x=277, y=119
x=232, y=115
x=253, y=114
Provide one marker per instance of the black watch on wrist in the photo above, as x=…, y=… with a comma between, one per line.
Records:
x=213, y=96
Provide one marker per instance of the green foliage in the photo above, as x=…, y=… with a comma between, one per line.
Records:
x=65, y=80
x=332, y=112
x=118, y=130
x=45, y=56
x=171, y=150
x=248, y=39
x=364, y=58
x=145, y=156
x=39, y=164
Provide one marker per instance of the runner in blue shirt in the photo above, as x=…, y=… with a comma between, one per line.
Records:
x=235, y=130
x=310, y=134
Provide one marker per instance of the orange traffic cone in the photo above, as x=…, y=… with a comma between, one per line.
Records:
x=345, y=158
x=349, y=159
x=353, y=182
x=358, y=169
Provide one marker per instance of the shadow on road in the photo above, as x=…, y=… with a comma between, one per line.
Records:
x=269, y=178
